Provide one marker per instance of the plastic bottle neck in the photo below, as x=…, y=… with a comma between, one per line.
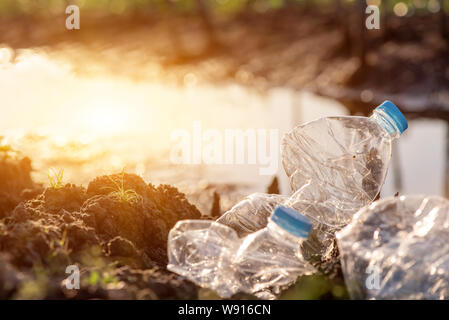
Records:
x=282, y=235
x=386, y=123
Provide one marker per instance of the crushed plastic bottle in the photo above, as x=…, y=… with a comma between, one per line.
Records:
x=211, y=254
x=270, y=259
x=252, y=213
x=396, y=248
x=342, y=160
x=201, y=251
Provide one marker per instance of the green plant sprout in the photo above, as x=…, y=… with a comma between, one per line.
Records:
x=60, y=246
x=120, y=193
x=5, y=149
x=55, y=178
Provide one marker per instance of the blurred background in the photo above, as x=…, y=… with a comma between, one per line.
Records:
x=108, y=96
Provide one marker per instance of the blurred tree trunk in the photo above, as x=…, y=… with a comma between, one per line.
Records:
x=361, y=4
x=343, y=22
x=446, y=182
x=173, y=32
x=385, y=19
x=308, y=4
x=291, y=3
x=208, y=27
x=249, y=5
x=208, y=24
x=443, y=21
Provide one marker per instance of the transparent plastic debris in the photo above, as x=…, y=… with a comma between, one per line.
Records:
x=201, y=251
x=342, y=160
x=321, y=241
x=252, y=213
x=336, y=165
x=211, y=255
x=396, y=248
x=270, y=259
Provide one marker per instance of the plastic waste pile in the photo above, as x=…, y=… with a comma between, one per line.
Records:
x=394, y=248
x=336, y=165
x=262, y=263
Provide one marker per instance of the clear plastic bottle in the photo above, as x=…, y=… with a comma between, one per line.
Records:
x=211, y=254
x=270, y=259
x=343, y=160
x=396, y=248
x=201, y=251
x=252, y=213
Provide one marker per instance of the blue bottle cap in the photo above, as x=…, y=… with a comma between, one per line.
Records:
x=292, y=221
x=395, y=115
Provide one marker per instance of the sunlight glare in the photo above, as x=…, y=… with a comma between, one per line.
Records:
x=103, y=117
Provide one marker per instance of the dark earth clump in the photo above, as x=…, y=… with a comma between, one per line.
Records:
x=215, y=211
x=15, y=183
x=145, y=219
x=273, y=188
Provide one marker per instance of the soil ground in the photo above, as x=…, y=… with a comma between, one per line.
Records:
x=115, y=231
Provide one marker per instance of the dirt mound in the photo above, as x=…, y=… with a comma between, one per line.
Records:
x=15, y=183
x=143, y=216
x=119, y=221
